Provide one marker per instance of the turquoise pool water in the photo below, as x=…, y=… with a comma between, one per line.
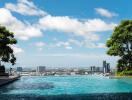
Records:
x=71, y=85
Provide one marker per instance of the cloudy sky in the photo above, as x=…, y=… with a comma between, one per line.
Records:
x=63, y=33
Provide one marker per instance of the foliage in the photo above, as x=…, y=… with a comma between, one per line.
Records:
x=125, y=72
x=6, y=40
x=120, y=44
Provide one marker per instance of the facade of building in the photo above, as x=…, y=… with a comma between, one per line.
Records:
x=41, y=69
x=106, y=67
x=19, y=69
x=96, y=69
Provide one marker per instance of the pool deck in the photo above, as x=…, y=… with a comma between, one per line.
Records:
x=6, y=80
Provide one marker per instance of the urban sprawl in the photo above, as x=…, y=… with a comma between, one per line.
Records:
x=44, y=71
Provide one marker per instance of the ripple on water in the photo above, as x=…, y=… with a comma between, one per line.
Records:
x=43, y=85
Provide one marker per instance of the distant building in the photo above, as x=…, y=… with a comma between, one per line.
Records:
x=27, y=69
x=41, y=69
x=19, y=69
x=97, y=69
x=106, y=67
x=92, y=68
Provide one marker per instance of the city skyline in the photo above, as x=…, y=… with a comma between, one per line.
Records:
x=61, y=32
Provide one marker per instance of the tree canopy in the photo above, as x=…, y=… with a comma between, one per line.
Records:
x=120, y=44
x=6, y=40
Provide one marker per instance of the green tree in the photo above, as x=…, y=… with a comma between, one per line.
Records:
x=6, y=40
x=120, y=44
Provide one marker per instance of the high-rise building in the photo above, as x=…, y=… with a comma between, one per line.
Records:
x=106, y=67
x=92, y=68
x=41, y=69
x=19, y=69
x=95, y=69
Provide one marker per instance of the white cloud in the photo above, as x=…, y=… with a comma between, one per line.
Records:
x=62, y=44
x=40, y=44
x=93, y=45
x=86, y=29
x=73, y=42
x=105, y=12
x=17, y=50
x=68, y=47
x=25, y=7
x=101, y=45
x=22, y=30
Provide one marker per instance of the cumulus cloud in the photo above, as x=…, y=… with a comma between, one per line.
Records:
x=105, y=12
x=63, y=44
x=22, y=30
x=25, y=7
x=73, y=42
x=86, y=28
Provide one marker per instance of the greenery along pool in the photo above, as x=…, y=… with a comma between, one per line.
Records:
x=71, y=85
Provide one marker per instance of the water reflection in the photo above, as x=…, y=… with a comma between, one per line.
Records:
x=32, y=86
x=22, y=85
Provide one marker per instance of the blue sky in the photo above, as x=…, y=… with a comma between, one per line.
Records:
x=63, y=33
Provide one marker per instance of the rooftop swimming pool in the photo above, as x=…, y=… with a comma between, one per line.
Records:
x=46, y=86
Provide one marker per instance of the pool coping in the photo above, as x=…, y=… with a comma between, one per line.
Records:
x=6, y=80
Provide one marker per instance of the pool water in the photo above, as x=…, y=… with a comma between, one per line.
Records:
x=66, y=85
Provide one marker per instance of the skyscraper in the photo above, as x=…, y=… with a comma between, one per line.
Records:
x=106, y=67
x=19, y=69
x=41, y=69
